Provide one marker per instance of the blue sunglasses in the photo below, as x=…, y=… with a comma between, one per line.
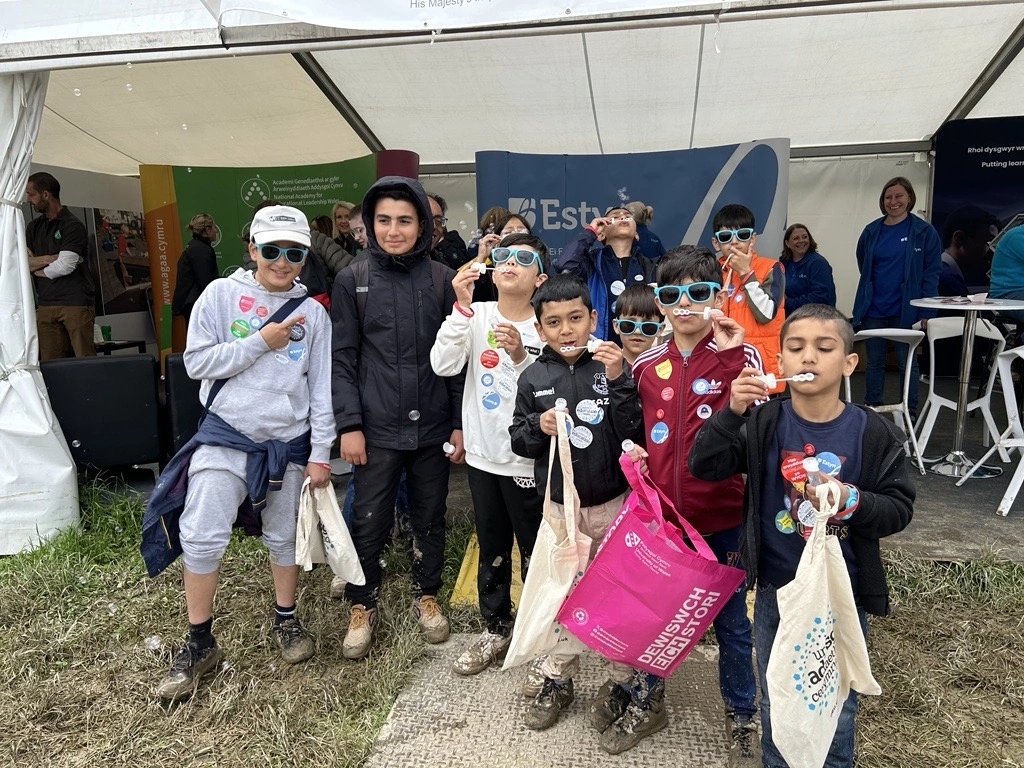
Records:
x=670, y=295
x=523, y=256
x=271, y=252
x=742, y=234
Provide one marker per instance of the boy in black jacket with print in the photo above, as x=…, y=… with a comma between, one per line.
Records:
x=788, y=446
x=567, y=371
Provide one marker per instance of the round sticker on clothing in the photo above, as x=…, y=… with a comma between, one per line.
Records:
x=581, y=437
x=659, y=433
x=487, y=380
x=667, y=393
x=261, y=311
x=829, y=463
x=506, y=387
x=255, y=322
x=793, y=470
x=508, y=368
x=700, y=387
x=617, y=288
x=738, y=297
x=240, y=329
x=588, y=411
x=296, y=333
x=704, y=411
x=489, y=358
x=660, y=413
x=784, y=523
x=806, y=513
x=491, y=401
x=638, y=278
x=296, y=351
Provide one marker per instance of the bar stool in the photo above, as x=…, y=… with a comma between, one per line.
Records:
x=900, y=412
x=1012, y=437
x=953, y=327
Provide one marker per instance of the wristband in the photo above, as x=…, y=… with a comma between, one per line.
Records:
x=462, y=311
x=852, y=502
x=323, y=464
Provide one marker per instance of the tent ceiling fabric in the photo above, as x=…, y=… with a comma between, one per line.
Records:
x=240, y=111
x=1005, y=96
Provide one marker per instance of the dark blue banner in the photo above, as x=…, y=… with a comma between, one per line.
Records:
x=560, y=194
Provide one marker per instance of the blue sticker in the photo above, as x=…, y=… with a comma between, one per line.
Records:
x=296, y=351
x=700, y=387
x=829, y=463
x=659, y=433
x=491, y=401
x=255, y=322
x=487, y=380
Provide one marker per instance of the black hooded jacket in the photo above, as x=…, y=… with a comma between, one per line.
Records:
x=382, y=380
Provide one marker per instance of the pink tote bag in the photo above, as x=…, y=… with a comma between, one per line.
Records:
x=653, y=587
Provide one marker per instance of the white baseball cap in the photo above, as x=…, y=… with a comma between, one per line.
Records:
x=279, y=222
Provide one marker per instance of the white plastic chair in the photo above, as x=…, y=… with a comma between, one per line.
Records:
x=1012, y=437
x=947, y=328
x=900, y=412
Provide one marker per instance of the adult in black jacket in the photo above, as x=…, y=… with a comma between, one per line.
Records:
x=197, y=265
x=392, y=410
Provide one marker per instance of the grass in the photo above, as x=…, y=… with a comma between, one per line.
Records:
x=85, y=634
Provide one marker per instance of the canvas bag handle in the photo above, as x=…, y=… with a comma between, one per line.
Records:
x=569, y=497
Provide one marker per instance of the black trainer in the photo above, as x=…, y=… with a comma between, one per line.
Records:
x=295, y=643
x=544, y=710
x=190, y=666
x=635, y=725
x=743, y=742
x=610, y=704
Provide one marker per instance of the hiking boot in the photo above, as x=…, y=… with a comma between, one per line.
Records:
x=432, y=622
x=534, y=678
x=295, y=643
x=338, y=588
x=189, y=667
x=487, y=649
x=610, y=704
x=635, y=724
x=543, y=711
x=743, y=751
x=360, y=632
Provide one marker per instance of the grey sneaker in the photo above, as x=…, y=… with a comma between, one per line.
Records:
x=360, y=632
x=544, y=710
x=635, y=724
x=534, y=678
x=610, y=704
x=189, y=667
x=338, y=588
x=432, y=622
x=295, y=643
x=743, y=742
x=487, y=649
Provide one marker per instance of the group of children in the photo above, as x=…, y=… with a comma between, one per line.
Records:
x=685, y=384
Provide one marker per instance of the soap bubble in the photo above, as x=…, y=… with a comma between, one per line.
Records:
x=77, y=91
x=184, y=126
x=76, y=443
x=469, y=206
x=154, y=643
x=462, y=225
x=129, y=65
x=189, y=170
x=128, y=86
x=622, y=195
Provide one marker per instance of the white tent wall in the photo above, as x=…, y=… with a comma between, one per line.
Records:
x=88, y=189
x=834, y=196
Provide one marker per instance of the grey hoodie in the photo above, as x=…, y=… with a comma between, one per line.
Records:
x=271, y=394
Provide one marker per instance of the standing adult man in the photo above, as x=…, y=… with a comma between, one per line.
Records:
x=447, y=247
x=65, y=296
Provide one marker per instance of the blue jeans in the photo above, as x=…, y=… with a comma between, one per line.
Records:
x=766, y=624
x=401, y=504
x=733, y=632
x=876, y=349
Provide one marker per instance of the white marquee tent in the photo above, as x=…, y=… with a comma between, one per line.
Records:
x=237, y=82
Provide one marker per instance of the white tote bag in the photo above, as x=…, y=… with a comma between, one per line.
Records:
x=559, y=558
x=819, y=652
x=321, y=535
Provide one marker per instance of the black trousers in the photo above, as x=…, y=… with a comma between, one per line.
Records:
x=502, y=510
x=376, y=489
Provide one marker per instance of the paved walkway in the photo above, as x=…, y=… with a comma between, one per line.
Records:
x=442, y=719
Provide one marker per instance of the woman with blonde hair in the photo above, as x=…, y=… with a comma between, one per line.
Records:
x=197, y=265
x=650, y=244
x=343, y=227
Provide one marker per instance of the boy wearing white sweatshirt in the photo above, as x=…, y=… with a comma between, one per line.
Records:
x=498, y=340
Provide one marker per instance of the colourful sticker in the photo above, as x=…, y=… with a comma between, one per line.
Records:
x=784, y=523
x=701, y=387
x=261, y=311
x=492, y=340
x=581, y=437
x=830, y=463
x=491, y=401
x=245, y=303
x=738, y=297
x=704, y=411
x=808, y=449
x=240, y=329
x=297, y=332
x=296, y=351
x=667, y=393
x=255, y=322
x=793, y=470
x=663, y=369
x=506, y=388
x=487, y=380
x=659, y=433
x=660, y=413
x=489, y=358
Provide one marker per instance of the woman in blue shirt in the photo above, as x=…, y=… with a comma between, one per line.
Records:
x=808, y=273
x=900, y=257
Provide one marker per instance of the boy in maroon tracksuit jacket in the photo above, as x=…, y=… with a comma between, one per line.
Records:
x=679, y=385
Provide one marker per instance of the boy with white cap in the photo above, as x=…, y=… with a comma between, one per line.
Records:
x=262, y=350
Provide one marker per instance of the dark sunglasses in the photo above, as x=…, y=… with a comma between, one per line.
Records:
x=669, y=295
x=523, y=256
x=742, y=234
x=271, y=252
x=647, y=328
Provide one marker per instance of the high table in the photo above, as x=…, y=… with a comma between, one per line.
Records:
x=956, y=463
